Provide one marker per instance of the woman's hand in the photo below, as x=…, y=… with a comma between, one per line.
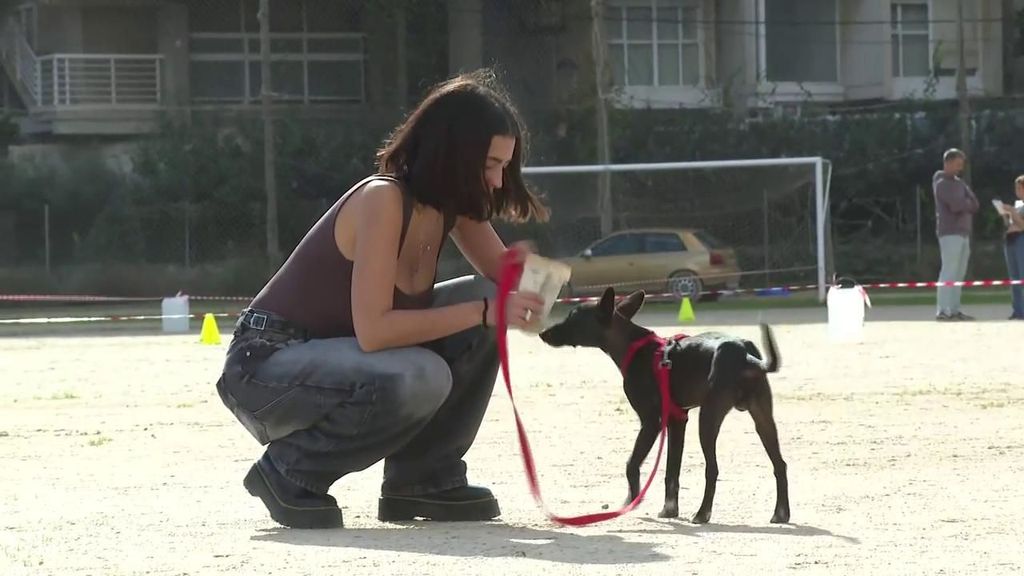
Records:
x=522, y=309
x=522, y=249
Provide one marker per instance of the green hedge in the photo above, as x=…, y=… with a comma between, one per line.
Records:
x=126, y=234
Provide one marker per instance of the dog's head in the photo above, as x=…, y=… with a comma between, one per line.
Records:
x=592, y=324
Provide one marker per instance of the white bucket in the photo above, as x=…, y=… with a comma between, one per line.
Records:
x=846, y=302
x=175, y=314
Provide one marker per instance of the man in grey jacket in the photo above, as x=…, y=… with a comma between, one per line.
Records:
x=955, y=206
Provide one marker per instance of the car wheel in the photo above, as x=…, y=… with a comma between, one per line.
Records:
x=685, y=284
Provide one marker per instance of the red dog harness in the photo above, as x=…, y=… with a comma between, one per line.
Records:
x=510, y=273
x=662, y=368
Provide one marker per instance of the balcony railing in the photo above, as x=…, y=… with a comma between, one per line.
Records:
x=67, y=80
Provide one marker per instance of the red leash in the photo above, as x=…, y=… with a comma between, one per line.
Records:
x=510, y=273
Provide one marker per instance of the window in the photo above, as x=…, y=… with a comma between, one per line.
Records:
x=316, y=51
x=653, y=43
x=911, y=55
x=617, y=245
x=710, y=242
x=801, y=43
x=663, y=242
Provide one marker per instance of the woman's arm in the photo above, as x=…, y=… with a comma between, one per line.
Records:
x=1016, y=217
x=481, y=246
x=377, y=325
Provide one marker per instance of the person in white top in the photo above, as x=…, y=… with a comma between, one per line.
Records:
x=1013, y=248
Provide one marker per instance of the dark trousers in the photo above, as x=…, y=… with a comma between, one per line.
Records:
x=1013, y=250
x=324, y=408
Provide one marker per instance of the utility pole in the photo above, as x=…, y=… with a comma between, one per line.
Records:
x=269, y=154
x=961, y=92
x=604, y=185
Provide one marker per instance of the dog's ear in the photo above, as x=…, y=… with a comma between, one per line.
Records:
x=631, y=304
x=606, y=307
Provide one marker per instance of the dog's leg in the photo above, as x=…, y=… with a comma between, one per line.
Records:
x=649, y=428
x=712, y=413
x=764, y=423
x=676, y=435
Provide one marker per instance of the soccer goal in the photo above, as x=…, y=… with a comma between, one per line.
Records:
x=697, y=229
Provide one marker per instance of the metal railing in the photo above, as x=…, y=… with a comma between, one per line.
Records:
x=67, y=80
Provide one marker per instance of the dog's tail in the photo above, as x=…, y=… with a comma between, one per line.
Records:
x=774, y=361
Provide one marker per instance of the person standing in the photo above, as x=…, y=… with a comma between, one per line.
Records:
x=1013, y=247
x=955, y=207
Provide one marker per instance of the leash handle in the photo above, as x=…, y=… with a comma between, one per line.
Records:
x=511, y=271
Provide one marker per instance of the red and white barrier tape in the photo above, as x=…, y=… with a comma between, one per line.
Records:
x=66, y=319
x=771, y=291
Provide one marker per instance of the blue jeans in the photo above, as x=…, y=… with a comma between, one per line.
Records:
x=1014, y=252
x=955, y=251
x=324, y=408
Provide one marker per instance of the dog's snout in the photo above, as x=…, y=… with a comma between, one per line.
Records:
x=550, y=336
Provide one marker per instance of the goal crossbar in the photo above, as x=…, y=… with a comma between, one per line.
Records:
x=821, y=188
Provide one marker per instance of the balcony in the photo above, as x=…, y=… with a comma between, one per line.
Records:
x=83, y=93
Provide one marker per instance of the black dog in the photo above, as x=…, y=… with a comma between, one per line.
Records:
x=713, y=371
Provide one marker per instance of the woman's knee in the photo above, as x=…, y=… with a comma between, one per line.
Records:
x=421, y=385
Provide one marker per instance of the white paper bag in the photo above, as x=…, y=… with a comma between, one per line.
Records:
x=546, y=278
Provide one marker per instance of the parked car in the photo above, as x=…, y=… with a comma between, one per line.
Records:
x=681, y=261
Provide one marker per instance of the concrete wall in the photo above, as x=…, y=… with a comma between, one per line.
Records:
x=60, y=29
x=865, y=57
x=991, y=30
x=465, y=35
x=384, y=71
x=120, y=30
x=172, y=42
x=736, y=51
x=1015, y=63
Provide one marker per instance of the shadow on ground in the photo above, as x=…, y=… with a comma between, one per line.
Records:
x=685, y=528
x=475, y=540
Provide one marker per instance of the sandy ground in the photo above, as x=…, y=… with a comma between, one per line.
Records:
x=905, y=453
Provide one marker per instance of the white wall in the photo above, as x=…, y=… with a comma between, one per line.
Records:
x=736, y=50
x=865, y=60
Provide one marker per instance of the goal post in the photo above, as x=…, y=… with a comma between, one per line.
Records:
x=718, y=194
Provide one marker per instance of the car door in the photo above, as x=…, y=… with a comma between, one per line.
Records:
x=611, y=261
x=664, y=253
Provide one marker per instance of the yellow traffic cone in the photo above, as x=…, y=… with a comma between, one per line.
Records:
x=686, y=311
x=210, y=334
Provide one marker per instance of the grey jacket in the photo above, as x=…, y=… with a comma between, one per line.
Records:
x=955, y=205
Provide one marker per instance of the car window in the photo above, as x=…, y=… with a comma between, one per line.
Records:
x=663, y=242
x=709, y=241
x=617, y=245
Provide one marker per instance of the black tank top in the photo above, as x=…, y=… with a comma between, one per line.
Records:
x=313, y=288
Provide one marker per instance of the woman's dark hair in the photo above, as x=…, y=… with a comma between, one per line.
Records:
x=440, y=151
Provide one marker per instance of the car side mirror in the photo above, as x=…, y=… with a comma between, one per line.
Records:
x=588, y=253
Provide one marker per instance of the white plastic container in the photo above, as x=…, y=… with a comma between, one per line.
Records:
x=175, y=314
x=846, y=302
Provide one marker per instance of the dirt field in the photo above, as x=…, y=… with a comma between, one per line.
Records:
x=905, y=453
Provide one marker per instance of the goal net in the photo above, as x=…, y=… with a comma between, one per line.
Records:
x=697, y=229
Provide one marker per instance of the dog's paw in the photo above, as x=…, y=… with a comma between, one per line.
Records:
x=780, y=517
x=669, y=511
x=701, y=517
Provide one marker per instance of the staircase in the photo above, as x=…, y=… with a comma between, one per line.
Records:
x=20, y=63
x=82, y=93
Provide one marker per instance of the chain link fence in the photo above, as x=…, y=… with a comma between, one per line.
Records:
x=185, y=206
